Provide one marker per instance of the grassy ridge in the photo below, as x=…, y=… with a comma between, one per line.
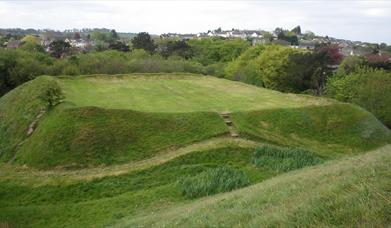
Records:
x=20, y=107
x=104, y=200
x=327, y=130
x=352, y=192
x=89, y=136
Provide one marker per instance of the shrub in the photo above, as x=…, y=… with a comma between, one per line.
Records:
x=367, y=87
x=283, y=159
x=213, y=181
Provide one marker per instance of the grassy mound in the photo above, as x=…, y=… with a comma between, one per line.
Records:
x=20, y=108
x=283, y=159
x=327, y=130
x=213, y=181
x=352, y=192
x=91, y=136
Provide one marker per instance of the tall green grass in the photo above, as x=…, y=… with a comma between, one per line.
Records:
x=284, y=159
x=213, y=181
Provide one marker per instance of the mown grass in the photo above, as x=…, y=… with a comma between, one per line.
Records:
x=89, y=136
x=351, y=192
x=329, y=130
x=104, y=200
x=284, y=159
x=212, y=181
x=20, y=107
x=175, y=93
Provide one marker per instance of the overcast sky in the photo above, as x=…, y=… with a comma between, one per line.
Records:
x=355, y=20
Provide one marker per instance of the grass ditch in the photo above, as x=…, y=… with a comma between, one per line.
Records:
x=105, y=199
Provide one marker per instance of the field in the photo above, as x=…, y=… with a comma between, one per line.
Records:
x=93, y=151
x=175, y=93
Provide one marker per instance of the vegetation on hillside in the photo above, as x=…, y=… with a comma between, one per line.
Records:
x=325, y=130
x=176, y=110
x=88, y=136
x=284, y=159
x=370, y=88
x=213, y=181
x=350, y=192
x=105, y=200
x=20, y=108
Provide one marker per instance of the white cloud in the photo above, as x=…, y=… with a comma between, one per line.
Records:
x=357, y=20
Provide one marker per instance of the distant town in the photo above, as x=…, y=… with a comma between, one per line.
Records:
x=86, y=40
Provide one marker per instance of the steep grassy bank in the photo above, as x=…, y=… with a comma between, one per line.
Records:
x=328, y=130
x=351, y=192
x=88, y=136
x=20, y=108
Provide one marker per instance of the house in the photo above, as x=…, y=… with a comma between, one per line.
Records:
x=13, y=44
x=306, y=44
x=281, y=42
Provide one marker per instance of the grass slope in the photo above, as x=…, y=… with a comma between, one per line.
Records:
x=353, y=192
x=105, y=200
x=20, y=107
x=175, y=93
x=328, y=130
x=92, y=136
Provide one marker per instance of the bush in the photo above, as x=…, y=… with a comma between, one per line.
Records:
x=213, y=181
x=246, y=68
x=367, y=87
x=283, y=159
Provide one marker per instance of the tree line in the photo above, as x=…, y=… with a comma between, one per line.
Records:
x=361, y=80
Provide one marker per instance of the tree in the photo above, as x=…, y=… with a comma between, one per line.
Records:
x=119, y=46
x=31, y=43
x=290, y=37
x=100, y=36
x=331, y=51
x=296, y=30
x=367, y=87
x=59, y=48
x=114, y=34
x=144, y=41
x=77, y=36
x=176, y=47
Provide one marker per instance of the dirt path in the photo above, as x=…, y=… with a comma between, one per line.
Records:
x=38, y=177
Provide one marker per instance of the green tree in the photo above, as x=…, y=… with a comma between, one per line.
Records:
x=119, y=46
x=213, y=50
x=100, y=36
x=367, y=87
x=144, y=41
x=58, y=48
x=296, y=30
